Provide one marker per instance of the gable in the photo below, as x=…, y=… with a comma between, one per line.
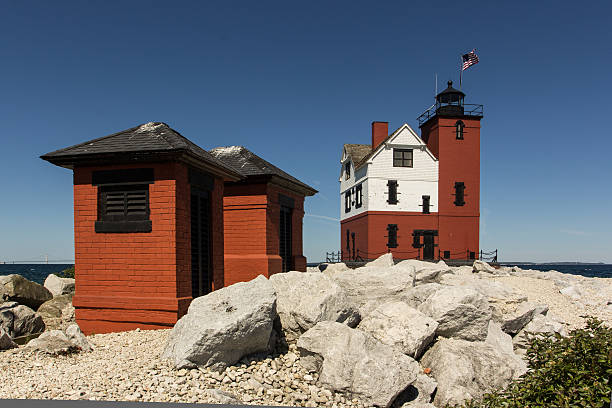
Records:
x=405, y=137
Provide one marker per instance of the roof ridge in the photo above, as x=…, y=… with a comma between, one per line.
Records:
x=98, y=139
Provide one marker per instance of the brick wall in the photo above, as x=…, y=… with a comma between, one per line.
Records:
x=252, y=216
x=129, y=280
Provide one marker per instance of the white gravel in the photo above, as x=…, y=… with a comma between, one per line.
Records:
x=126, y=367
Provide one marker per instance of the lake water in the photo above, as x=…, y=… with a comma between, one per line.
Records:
x=39, y=272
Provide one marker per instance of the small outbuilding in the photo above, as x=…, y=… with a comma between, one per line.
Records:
x=263, y=215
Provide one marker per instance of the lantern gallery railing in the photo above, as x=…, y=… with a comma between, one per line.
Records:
x=464, y=110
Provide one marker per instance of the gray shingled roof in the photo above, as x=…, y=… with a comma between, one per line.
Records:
x=146, y=138
x=248, y=164
x=357, y=152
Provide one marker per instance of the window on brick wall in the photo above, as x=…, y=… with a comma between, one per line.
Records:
x=392, y=235
x=459, y=193
x=123, y=200
x=359, y=196
x=459, y=130
x=392, y=192
x=402, y=157
x=347, y=201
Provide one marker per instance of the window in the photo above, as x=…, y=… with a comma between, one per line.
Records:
x=416, y=239
x=123, y=200
x=347, y=201
x=402, y=157
x=358, y=196
x=392, y=236
x=348, y=242
x=459, y=129
x=459, y=193
x=347, y=171
x=425, y=204
x=392, y=185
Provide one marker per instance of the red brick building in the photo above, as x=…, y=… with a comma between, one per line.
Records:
x=149, y=227
x=415, y=196
x=263, y=215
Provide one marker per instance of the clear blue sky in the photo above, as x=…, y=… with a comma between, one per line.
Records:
x=293, y=81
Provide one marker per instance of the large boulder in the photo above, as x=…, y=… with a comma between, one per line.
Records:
x=25, y=292
x=58, y=312
x=461, y=313
x=385, y=260
x=6, y=342
x=369, y=286
x=54, y=342
x=512, y=321
x=467, y=370
x=539, y=325
x=481, y=266
x=304, y=299
x=330, y=269
x=418, y=294
x=223, y=326
x=59, y=286
x=353, y=362
x=76, y=336
x=401, y=326
x=19, y=320
x=427, y=272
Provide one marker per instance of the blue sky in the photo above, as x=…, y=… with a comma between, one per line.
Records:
x=293, y=81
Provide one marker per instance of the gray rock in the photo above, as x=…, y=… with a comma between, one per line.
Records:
x=426, y=272
x=467, y=370
x=76, y=336
x=18, y=289
x=224, y=397
x=19, y=320
x=58, y=312
x=540, y=324
x=515, y=320
x=304, y=299
x=53, y=342
x=480, y=266
x=425, y=386
x=418, y=294
x=573, y=292
x=416, y=404
x=5, y=340
x=59, y=286
x=353, y=362
x=461, y=313
x=223, y=326
x=399, y=325
x=498, y=339
x=333, y=268
x=385, y=260
x=368, y=287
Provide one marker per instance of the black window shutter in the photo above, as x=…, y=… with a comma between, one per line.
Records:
x=416, y=240
x=459, y=193
x=348, y=242
x=392, y=199
x=425, y=204
x=392, y=235
x=358, y=196
x=347, y=201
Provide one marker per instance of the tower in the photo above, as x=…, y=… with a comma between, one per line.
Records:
x=451, y=130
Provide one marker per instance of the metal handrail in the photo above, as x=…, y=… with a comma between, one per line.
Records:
x=468, y=110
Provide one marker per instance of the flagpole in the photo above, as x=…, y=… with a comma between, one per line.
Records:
x=460, y=71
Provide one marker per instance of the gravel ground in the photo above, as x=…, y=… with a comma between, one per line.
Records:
x=126, y=367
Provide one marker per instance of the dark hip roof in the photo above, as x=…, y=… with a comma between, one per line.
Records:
x=151, y=141
x=249, y=165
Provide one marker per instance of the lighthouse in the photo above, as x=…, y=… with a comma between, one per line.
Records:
x=415, y=196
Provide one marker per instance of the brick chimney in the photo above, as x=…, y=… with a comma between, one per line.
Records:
x=380, y=131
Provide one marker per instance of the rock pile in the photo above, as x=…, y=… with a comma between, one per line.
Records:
x=385, y=334
x=415, y=334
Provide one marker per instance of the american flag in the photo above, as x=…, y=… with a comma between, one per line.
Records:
x=469, y=59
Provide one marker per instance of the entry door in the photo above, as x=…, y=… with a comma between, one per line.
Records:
x=201, y=265
x=285, y=238
x=428, y=245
